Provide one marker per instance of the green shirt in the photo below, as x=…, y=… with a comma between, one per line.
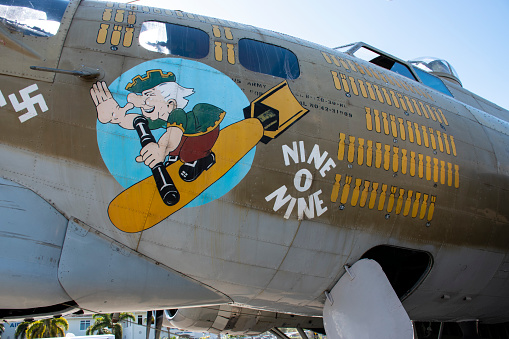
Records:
x=202, y=119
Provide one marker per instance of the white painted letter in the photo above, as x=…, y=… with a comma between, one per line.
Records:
x=290, y=207
x=327, y=166
x=281, y=200
x=318, y=204
x=297, y=180
x=315, y=155
x=294, y=153
x=2, y=100
x=302, y=151
x=304, y=208
x=279, y=194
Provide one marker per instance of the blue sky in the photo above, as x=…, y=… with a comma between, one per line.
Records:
x=471, y=35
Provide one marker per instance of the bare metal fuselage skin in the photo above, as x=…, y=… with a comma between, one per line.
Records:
x=375, y=159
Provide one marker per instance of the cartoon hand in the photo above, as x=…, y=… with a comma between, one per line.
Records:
x=151, y=154
x=108, y=110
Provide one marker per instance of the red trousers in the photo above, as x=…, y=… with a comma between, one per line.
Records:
x=192, y=148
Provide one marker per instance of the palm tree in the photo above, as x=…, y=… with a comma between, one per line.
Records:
x=47, y=328
x=104, y=324
x=21, y=329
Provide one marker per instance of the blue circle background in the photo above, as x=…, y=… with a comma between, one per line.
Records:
x=119, y=147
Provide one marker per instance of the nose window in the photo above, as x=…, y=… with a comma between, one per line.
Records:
x=36, y=18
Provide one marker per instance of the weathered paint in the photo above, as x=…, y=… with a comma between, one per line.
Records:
x=394, y=162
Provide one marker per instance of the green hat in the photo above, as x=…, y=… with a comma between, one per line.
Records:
x=151, y=79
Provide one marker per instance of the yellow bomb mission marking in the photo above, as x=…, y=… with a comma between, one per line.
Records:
x=302, y=181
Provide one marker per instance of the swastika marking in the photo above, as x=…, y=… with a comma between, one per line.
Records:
x=28, y=102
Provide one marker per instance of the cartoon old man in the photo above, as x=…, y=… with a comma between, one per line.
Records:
x=189, y=136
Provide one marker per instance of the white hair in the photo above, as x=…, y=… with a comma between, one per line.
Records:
x=172, y=90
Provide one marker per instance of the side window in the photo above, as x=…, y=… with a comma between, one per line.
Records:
x=37, y=18
x=268, y=59
x=174, y=39
x=432, y=81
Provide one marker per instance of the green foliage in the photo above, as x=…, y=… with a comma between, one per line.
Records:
x=46, y=328
x=103, y=324
x=21, y=330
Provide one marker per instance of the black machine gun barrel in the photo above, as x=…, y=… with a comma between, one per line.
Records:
x=165, y=185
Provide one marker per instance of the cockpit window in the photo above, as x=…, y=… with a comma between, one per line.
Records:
x=383, y=61
x=268, y=59
x=432, y=81
x=33, y=17
x=438, y=67
x=174, y=39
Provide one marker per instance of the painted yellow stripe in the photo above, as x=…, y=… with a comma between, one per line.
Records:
x=421, y=165
x=369, y=153
x=404, y=161
x=402, y=131
x=346, y=190
x=336, y=188
x=218, y=51
x=370, y=90
x=417, y=202
x=360, y=152
x=363, y=88
x=393, y=126
x=369, y=120
x=377, y=121
x=335, y=78
x=230, y=53
x=326, y=57
x=381, y=201
x=428, y=168
x=390, y=203
x=372, y=197
x=378, y=93
x=386, y=123
x=424, y=206
x=356, y=192
x=353, y=85
x=408, y=203
x=387, y=98
x=336, y=62
x=425, y=136
x=352, y=66
x=364, y=194
x=431, y=208
x=399, y=204
x=228, y=33
x=216, y=31
x=341, y=146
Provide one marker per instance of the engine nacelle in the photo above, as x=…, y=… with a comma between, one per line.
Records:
x=32, y=234
x=52, y=265
x=234, y=320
